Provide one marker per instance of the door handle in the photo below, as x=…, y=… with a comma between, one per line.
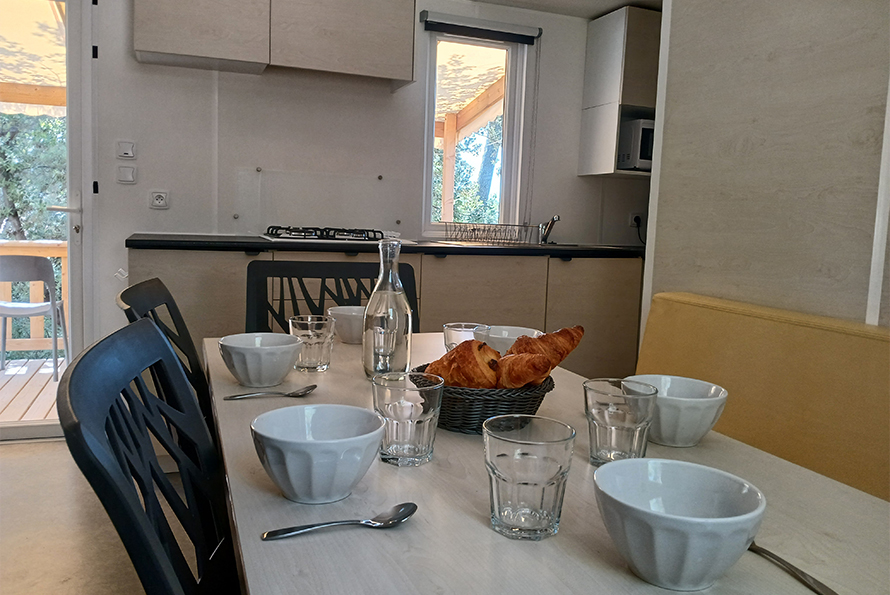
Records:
x=62, y=209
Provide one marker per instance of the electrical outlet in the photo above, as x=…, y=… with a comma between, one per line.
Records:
x=632, y=219
x=158, y=200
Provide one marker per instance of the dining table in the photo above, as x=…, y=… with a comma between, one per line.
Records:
x=836, y=533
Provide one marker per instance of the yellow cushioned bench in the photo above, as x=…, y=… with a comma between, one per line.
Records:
x=810, y=389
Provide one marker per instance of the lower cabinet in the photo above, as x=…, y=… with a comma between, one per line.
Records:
x=602, y=295
x=209, y=286
x=507, y=290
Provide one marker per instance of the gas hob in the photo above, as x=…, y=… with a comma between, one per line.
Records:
x=277, y=233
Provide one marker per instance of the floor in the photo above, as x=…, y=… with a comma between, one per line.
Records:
x=55, y=537
x=28, y=399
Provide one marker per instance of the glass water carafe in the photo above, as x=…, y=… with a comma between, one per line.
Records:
x=386, y=340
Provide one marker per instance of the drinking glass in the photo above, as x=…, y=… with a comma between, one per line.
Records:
x=317, y=335
x=619, y=413
x=457, y=332
x=528, y=460
x=410, y=404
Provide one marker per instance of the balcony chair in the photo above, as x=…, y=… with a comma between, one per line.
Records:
x=111, y=412
x=277, y=290
x=16, y=268
x=151, y=299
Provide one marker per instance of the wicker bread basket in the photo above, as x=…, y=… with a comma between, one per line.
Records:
x=465, y=409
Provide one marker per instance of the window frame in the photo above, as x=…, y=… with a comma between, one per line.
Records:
x=515, y=92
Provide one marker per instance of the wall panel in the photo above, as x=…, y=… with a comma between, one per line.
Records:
x=771, y=149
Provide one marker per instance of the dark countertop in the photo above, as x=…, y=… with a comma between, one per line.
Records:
x=254, y=244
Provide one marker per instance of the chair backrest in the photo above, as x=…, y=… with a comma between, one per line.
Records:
x=18, y=267
x=151, y=299
x=110, y=409
x=279, y=289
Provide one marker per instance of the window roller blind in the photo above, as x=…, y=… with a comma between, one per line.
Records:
x=481, y=29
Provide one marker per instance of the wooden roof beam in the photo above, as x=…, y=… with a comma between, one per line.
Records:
x=32, y=94
x=483, y=101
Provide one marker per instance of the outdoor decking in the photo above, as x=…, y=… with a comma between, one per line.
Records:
x=28, y=396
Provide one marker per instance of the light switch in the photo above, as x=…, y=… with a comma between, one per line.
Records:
x=126, y=149
x=126, y=175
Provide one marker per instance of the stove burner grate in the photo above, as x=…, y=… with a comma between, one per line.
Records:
x=324, y=233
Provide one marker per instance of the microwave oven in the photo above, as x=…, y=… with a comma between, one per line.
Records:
x=635, y=143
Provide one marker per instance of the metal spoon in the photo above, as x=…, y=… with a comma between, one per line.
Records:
x=300, y=392
x=796, y=572
x=398, y=514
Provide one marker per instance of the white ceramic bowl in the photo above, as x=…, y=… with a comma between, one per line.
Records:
x=501, y=338
x=260, y=359
x=348, y=322
x=677, y=525
x=685, y=409
x=317, y=453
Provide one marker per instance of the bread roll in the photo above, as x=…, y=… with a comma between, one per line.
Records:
x=520, y=369
x=472, y=364
x=556, y=345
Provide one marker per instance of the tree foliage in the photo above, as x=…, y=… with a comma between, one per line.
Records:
x=33, y=176
x=473, y=199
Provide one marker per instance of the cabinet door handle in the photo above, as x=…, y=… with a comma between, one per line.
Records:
x=440, y=255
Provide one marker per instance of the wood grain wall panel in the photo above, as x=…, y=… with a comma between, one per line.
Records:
x=772, y=138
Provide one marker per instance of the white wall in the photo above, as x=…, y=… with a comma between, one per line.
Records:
x=321, y=141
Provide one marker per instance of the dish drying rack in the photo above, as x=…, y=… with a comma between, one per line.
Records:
x=500, y=233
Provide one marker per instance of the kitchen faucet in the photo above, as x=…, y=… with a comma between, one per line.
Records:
x=546, y=228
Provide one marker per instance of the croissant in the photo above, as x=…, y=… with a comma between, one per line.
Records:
x=472, y=364
x=519, y=369
x=556, y=345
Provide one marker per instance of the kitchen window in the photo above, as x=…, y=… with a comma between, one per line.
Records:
x=476, y=95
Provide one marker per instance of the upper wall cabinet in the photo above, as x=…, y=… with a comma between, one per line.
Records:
x=231, y=35
x=619, y=83
x=364, y=37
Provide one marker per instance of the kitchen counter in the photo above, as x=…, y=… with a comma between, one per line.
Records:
x=256, y=245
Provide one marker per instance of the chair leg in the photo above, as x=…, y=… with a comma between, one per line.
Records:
x=55, y=346
x=2, y=342
x=67, y=357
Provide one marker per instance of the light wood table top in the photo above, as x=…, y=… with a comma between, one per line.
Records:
x=837, y=533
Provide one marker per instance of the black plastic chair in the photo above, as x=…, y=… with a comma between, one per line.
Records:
x=151, y=299
x=279, y=289
x=110, y=410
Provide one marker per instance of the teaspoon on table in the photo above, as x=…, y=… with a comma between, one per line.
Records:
x=397, y=514
x=796, y=572
x=300, y=392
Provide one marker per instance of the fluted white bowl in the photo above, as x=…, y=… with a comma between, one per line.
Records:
x=317, y=453
x=348, y=322
x=501, y=338
x=685, y=409
x=678, y=525
x=259, y=359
